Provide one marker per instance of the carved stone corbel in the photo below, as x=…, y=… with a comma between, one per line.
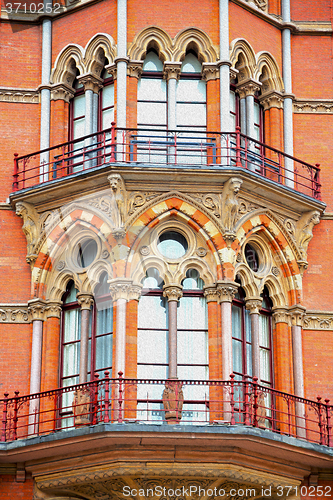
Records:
x=230, y=206
x=112, y=70
x=53, y=309
x=118, y=201
x=31, y=228
x=303, y=235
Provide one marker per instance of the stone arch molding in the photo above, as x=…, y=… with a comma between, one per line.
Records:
x=88, y=60
x=259, y=67
x=173, y=49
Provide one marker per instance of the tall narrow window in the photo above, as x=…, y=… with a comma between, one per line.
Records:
x=106, y=103
x=71, y=335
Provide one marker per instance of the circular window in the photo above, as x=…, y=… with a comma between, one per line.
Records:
x=86, y=253
x=172, y=245
x=251, y=257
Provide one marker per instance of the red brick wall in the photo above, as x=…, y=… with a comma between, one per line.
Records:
x=11, y=490
x=318, y=366
x=15, y=359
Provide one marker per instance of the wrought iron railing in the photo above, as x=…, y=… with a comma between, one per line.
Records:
x=186, y=402
x=161, y=147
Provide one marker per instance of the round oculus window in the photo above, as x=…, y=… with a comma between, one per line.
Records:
x=86, y=252
x=251, y=257
x=172, y=245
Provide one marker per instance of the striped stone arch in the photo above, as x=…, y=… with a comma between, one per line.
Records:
x=285, y=288
x=243, y=58
x=48, y=270
x=186, y=212
x=194, y=38
x=151, y=37
x=68, y=61
x=99, y=46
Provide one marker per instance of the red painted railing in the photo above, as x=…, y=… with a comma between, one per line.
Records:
x=171, y=148
x=186, y=402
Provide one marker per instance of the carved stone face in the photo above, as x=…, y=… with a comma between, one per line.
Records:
x=19, y=209
x=316, y=218
x=236, y=187
x=114, y=183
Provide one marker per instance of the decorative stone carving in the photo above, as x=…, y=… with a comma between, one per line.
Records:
x=261, y=4
x=312, y=106
x=211, y=293
x=37, y=309
x=91, y=82
x=230, y=205
x=138, y=199
x=15, y=313
x=31, y=228
x=275, y=271
x=118, y=199
x=53, y=309
x=172, y=292
x=210, y=71
x=281, y=315
x=227, y=290
x=19, y=95
x=247, y=88
x=201, y=252
x=304, y=229
x=60, y=265
x=172, y=70
x=120, y=288
x=144, y=250
x=233, y=73
x=315, y=320
x=112, y=70
x=85, y=300
x=297, y=314
x=254, y=305
x=62, y=92
x=173, y=399
x=102, y=203
x=135, y=68
x=134, y=292
x=271, y=99
x=105, y=254
x=81, y=407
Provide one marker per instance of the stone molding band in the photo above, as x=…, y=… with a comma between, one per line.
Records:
x=26, y=96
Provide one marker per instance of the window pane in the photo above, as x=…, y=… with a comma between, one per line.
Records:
x=264, y=331
x=191, y=91
x=152, y=113
x=191, y=115
x=192, y=348
x=152, y=312
x=71, y=360
x=152, y=62
x=247, y=318
x=104, y=319
x=265, y=372
x=256, y=113
x=192, y=313
x=79, y=130
x=107, y=118
x=72, y=325
x=152, y=89
x=237, y=358
x=191, y=64
x=236, y=322
x=108, y=96
x=104, y=352
x=79, y=106
x=152, y=346
x=232, y=101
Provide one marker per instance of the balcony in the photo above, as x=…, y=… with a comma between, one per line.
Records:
x=175, y=150
x=214, y=405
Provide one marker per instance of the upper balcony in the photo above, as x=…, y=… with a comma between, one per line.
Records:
x=156, y=155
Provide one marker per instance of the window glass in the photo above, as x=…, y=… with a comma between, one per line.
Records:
x=152, y=89
x=79, y=106
x=191, y=115
x=152, y=62
x=191, y=91
x=191, y=64
x=152, y=113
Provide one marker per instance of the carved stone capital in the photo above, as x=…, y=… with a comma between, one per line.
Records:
x=281, y=315
x=211, y=293
x=135, y=291
x=247, y=88
x=85, y=300
x=172, y=292
x=37, y=309
x=210, y=71
x=53, y=309
x=253, y=305
x=227, y=290
x=91, y=82
x=233, y=73
x=172, y=70
x=62, y=92
x=272, y=99
x=135, y=69
x=121, y=288
x=297, y=314
x=112, y=70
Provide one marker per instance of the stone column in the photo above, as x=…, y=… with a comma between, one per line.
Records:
x=171, y=74
x=227, y=291
x=85, y=300
x=224, y=65
x=173, y=294
x=288, y=96
x=37, y=311
x=254, y=306
x=121, y=62
x=297, y=313
x=246, y=90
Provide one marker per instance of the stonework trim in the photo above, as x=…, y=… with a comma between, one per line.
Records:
x=27, y=96
x=15, y=313
x=318, y=320
x=311, y=106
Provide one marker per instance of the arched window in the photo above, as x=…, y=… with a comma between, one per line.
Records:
x=106, y=102
x=191, y=95
x=100, y=338
x=242, y=338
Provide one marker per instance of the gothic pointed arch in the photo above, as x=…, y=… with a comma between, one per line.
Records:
x=151, y=37
x=69, y=60
x=268, y=73
x=242, y=58
x=100, y=47
x=199, y=41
